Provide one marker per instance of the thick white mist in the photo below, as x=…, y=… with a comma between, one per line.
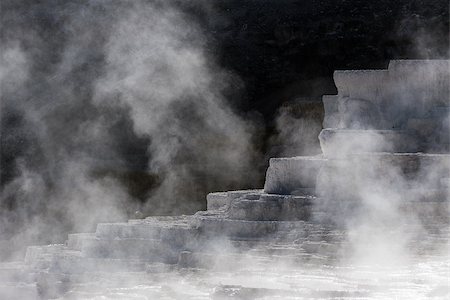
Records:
x=102, y=71
x=158, y=68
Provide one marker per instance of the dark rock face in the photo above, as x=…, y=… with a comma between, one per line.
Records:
x=289, y=48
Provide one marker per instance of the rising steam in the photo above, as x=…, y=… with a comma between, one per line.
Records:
x=86, y=90
x=98, y=86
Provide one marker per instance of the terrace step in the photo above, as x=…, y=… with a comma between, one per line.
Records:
x=16, y=272
x=136, y=248
x=287, y=175
x=143, y=230
x=270, y=207
x=341, y=142
x=75, y=240
x=222, y=226
x=222, y=200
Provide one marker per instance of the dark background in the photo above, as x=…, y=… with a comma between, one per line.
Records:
x=284, y=49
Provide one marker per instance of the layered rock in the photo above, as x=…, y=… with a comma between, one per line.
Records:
x=376, y=162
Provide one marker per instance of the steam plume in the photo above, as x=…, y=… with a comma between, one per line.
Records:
x=95, y=87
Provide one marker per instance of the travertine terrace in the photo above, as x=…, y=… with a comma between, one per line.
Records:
x=385, y=147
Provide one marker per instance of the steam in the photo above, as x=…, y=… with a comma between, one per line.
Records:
x=297, y=123
x=158, y=68
x=84, y=92
x=376, y=196
x=427, y=36
x=132, y=74
x=48, y=188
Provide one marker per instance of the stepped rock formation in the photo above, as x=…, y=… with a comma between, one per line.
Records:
x=378, y=193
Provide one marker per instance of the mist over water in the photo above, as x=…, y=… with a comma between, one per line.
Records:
x=92, y=89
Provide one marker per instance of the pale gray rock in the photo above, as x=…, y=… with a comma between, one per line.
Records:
x=445, y=182
x=418, y=82
x=286, y=175
x=341, y=142
x=271, y=208
x=332, y=117
x=18, y=291
x=375, y=128
x=358, y=113
x=361, y=84
x=217, y=200
x=75, y=240
x=407, y=89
